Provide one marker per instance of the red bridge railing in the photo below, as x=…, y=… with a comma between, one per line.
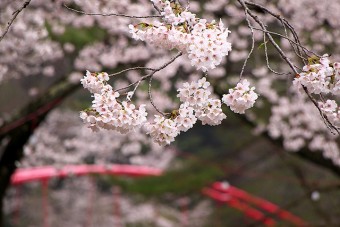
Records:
x=253, y=207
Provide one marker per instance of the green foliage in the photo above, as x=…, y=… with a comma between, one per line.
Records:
x=79, y=37
x=262, y=44
x=189, y=179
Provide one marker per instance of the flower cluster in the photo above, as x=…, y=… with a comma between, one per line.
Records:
x=320, y=76
x=185, y=118
x=195, y=93
x=241, y=97
x=106, y=111
x=332, y=111
x=94, y=82
x=299, y=124
x=211, y=113
x=163, y=131
x=168, y=12
x=204, y=43
x=207, y=109
x=197, y=104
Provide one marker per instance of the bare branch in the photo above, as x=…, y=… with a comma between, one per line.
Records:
x=151, y=99
x=110, y=14
x=152, y=73
x=15, y=14
x=282, y=53
x=281, y=19
x=267, y=58
x=252, y=44
x=289, y=39
x=129, y=69
x=156, y=8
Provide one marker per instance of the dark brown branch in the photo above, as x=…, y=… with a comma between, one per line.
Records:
x=110, y=14
x=15, y=14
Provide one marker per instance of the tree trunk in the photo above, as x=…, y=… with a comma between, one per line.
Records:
x=11, y=155
x=20, y=128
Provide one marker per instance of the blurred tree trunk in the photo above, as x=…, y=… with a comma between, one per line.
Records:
x=18, y=130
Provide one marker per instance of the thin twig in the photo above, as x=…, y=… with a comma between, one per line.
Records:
x=287, y=38
x=152, y=73
x=15, y=14
x=284, y=57
x=296, y=49
x=129, y=69
x=252, y=45
x=324, y=117
x=134, y=90
x=151, y=99
x=267, y=58
x=279, y=18
x=156, y=8
x=110, y=14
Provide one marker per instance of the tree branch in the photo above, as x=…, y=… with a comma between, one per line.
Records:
x=110, y=14
x=15, y=14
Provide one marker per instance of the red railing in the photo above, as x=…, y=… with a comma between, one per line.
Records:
x=253, y=207
x=48, y=172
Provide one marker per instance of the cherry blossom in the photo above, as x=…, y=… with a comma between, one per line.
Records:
x=211, y=113
x=107, y=112
x=94, y=82
x=321, y=76
x=204, y=43
x=28, y=50
x=331, y=109
x=195, y=93
x=163, y=131
x=185, y=118
x=241, y=97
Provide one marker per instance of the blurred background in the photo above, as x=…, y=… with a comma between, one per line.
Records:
x=225, y=175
